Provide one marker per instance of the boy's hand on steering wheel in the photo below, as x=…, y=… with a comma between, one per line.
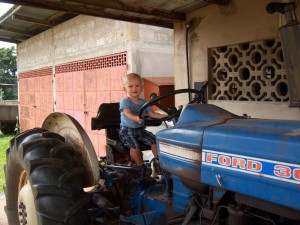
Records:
x=139, y=120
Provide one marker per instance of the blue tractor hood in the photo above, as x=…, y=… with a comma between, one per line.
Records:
x=254, y=157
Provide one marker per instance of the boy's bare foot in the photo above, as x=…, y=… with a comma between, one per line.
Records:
x=130, y=163
x=157, y=168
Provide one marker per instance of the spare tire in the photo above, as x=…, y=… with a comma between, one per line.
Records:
x=42, y=185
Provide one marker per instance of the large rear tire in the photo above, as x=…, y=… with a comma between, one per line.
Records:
x=42, y=185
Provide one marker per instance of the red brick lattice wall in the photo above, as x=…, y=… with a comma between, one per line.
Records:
x=82, y=86
x=35, y=97
x=47, y=71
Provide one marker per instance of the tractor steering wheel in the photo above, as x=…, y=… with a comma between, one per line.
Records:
x=172, y=113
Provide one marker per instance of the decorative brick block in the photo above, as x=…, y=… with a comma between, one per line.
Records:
x=47, y=71
x=252, y=71
x=119, y=59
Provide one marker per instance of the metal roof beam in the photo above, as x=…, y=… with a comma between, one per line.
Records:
x=10, y=12
x=11, y=40
x=92, y=11
x=31, y=20
x=17, y=31
x=117, y=5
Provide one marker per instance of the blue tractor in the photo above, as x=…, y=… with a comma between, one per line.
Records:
x=218, y=168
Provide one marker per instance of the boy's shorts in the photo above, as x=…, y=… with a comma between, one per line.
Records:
x=132, y=136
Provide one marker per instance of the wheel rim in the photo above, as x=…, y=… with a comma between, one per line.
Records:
x=23, y=180
x=26, y=206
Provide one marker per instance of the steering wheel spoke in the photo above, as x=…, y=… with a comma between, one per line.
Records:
x=163, y=108
x=172, y=113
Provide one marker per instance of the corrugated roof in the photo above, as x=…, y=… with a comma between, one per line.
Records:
x=30, y=17
x=23, y=22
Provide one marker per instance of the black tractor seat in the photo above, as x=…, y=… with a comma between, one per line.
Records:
x=108, y=118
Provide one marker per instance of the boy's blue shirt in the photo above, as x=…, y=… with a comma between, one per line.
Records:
x=126, y=103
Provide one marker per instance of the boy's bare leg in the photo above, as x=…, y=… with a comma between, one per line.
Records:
x=157, y=169
x=137, y=156
x=154, y=151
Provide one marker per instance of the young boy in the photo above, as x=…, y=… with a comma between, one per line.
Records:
x=132, y=127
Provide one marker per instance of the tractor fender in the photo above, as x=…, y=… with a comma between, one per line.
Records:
x=68, y=127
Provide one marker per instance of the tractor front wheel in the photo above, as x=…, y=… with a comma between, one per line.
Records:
x=42, y=185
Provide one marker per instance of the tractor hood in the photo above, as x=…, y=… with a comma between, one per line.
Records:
x=255, y=157
x=180, y=147
x=193, y=121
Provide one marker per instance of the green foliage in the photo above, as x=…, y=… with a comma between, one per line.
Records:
x=8, y=72
x=4, y=144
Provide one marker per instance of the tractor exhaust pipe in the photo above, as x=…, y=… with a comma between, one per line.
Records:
x=290, y=40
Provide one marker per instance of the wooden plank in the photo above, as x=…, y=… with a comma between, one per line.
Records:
x=10, y=40
x=31, y=20
x=117, y=5
x=17, y=31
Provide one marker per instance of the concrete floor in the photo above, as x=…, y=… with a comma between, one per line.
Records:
x=3, y=219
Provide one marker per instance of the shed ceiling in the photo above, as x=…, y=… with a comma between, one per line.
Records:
x=30, y=17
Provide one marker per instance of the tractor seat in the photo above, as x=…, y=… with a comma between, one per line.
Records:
x=108, y=118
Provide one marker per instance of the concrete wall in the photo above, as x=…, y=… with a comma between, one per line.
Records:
x=80, y=88
x=150, y=49
x=143, y=52
x=212, y=26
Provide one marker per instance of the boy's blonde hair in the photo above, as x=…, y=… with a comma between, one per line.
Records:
x=132, y=75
